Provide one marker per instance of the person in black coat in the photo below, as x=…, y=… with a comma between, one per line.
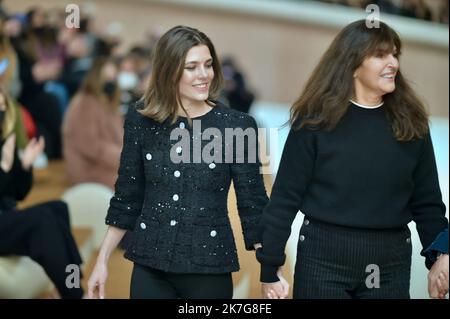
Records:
x=177, y=164
x=41, y=232
x=359, y=163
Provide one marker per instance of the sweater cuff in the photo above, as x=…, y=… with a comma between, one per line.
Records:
x=439, y=245
x=269, y=274
x=252, y=237
x=120, y=220
x=269, y=266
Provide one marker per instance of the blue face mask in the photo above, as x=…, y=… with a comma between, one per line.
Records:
x=4, y=63
x=127, y=80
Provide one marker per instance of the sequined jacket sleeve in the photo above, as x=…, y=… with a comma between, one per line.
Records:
x=126, y=204
x=248, y=184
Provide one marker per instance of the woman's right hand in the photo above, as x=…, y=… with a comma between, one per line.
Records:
x=96, y=283
x=7, y=158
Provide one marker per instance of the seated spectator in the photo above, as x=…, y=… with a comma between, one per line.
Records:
x=41, y=232
x=93, y=128
x=416, y=9
x=8, y=68
x=34, y=73
x=443, y=12
x=235, y=90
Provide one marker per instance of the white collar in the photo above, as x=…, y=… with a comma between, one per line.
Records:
x=367, y=106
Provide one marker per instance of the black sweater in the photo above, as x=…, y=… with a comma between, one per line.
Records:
x=357, y=175
x=15, y=184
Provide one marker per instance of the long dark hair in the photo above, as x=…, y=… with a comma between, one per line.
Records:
x=93, y=84
x=162, y=97
x=325, y=98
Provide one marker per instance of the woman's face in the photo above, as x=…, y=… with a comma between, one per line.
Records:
x=197, y=76
x=109, y=72
x=376, y=75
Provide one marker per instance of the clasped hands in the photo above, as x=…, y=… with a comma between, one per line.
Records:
x=438, y=278
x=276, y=290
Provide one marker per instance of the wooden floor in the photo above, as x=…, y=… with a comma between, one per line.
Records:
x=48, y=184
x=119, y=275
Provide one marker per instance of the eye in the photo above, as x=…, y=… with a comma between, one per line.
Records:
x=209, y=65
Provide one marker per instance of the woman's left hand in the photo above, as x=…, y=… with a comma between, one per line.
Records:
x=32, y=151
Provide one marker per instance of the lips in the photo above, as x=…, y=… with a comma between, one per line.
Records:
x=201, y=87
x=390, y=75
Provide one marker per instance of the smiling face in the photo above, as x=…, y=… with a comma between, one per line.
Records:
x=375, y=77
x=197, y=75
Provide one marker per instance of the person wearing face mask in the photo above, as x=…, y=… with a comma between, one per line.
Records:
x=8, y=80
x=93, y=128
x=41, y=232
x=129, y=80
x=359, y=163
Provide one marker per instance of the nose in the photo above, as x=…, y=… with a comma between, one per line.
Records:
x=202, y=72
x=393, y=61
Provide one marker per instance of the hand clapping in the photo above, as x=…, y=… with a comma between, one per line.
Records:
x=32, y=151
x=7, y=158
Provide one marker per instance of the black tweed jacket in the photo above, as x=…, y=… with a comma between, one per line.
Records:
x=178, y=211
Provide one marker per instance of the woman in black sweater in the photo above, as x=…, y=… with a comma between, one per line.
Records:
x=41, y=232
x=174, y=196
x=359, y=163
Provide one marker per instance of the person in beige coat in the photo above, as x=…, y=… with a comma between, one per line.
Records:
x=93, y=128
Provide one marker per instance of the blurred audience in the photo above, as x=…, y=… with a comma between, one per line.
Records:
x=39, y=61
x=43, y=231
x=9, y=81
x=235, y=91
x=93, y=127
x=419, y=9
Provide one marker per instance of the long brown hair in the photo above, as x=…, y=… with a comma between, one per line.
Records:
x=325, y=98
x=93, y=83
x=7, y=51
x=9, y=122
x=162, y=97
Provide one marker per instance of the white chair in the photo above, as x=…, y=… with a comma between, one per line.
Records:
x=88, y=204
x=21, y=278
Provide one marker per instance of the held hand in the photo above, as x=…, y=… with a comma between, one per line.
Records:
x=32, y=151
x=273, y=290
x=7, y=158
x=96, y=283
x=284, y=283
x=442, y=285
x=438, y=278
x=276, y=290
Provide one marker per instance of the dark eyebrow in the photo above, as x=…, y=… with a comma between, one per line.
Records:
x=196, y=62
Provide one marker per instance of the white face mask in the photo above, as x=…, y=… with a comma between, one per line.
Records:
x=127, y=80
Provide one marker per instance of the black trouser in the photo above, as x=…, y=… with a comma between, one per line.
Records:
x=43, y=233
x=343, y=262
x=149, y=283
